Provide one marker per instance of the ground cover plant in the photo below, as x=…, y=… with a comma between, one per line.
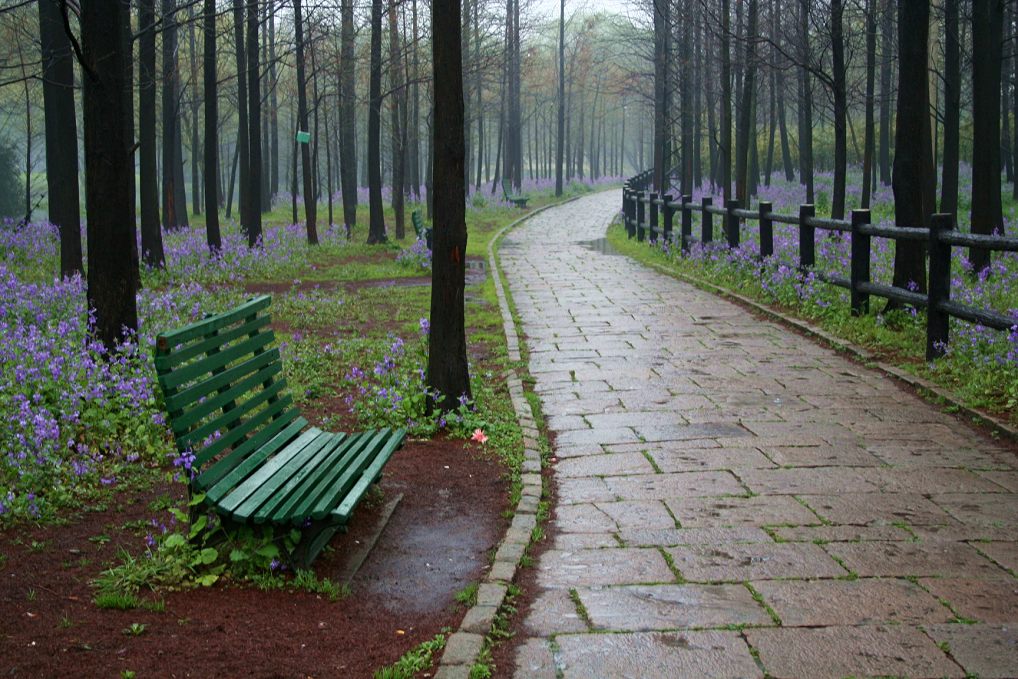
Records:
x=981, y=364
x=85, y=452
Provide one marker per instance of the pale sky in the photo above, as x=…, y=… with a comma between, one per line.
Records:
x=550, y=8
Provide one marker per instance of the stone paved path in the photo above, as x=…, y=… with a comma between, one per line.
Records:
x=735, y=500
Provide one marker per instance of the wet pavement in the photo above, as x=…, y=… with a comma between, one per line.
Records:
x=735, y=500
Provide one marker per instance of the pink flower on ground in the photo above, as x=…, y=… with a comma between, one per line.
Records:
x=479, y=436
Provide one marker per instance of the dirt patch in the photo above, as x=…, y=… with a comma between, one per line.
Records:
x=436, y=542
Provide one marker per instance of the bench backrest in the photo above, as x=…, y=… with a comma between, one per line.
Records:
x=415, y=218
x=222, y=378
x=505, y=190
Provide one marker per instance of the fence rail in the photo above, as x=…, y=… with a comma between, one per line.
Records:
x=648, y=214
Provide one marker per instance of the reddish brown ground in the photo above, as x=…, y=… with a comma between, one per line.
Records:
x=436, y=543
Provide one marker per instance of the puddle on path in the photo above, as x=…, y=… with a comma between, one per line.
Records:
x=599, y=245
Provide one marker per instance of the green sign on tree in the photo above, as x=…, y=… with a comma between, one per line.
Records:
x=303, y=137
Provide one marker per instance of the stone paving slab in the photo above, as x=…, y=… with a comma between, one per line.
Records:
x=637, y=608
x=690, y=655
x=985, y=651
x=867, y=601
x=713, y=469
x=837, y=652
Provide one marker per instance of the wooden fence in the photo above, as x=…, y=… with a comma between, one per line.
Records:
x=645, y=211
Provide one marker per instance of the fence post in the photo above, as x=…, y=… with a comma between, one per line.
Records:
x=627, y=210
x=937, y=325
x=652, y=222
x=625, y=206
x=641, y=216
x=732, y=223
x=687, y=221
x=706, y=220
x=766, y=231
x=807, y=238
x=669, y=217
x=860, y=266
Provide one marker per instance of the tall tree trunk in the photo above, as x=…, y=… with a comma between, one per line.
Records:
x=376, y=228
x=448, y=377
x=174, y=215
x=254, y=117
x=151, y=234
x=987, y=31
x=61, y=136
x=912, y=160
x=686, y=60
x=840, y=110
x=265, y=193
x=310, y=207
x=273, y=108
x=243, y=153
x=746, y=112
x=211, y=163
x=869, y=143
x=195, y=191
x=662, y=33
x=725, y=147
x=560, y=139
x=886, y=48
x=348, y=121
x=952, y=109
x=805, y=104
x=112, y=282
x=396, y=87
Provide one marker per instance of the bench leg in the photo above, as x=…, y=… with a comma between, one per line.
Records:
x=313, y=540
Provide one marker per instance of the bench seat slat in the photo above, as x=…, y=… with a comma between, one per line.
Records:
x=177, y=355
x=167, y=340
x=228, y=418
x=234, y=467
x=275, y=471
x=295, y=490
x=342, y=512
x=295, y=507
x=336, y=485
x=215, y=361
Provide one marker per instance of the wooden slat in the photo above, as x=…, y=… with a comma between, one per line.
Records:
x=342, y=512
x=166, y=341
x=227, y=419
x=233, y=467
x=324, y=494
x=264, y=505
x=166, y=362
x=248, y=495
x=295, y=493
x=182, y=399
x=192, y=416
x=193, y=371
x=340, y=458
x=275, y=410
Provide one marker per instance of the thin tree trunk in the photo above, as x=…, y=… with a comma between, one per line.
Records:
x=243, y=150
x=952, y=109
x=560, y=140
x=195, y=190
x=840, y=110
x=62, y=136
x=348, y=121
x=310, y=211
x=869, y=143
x=213, y=236
x=886, y=48
x=254, y=233
x=987, y=29
x=376, y=229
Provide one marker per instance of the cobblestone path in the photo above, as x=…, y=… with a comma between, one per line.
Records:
x=735, y=500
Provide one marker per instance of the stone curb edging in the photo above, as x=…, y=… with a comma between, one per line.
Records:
x=922, y=386
x=463, y=647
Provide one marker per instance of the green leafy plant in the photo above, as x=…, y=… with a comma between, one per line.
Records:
x=136, y=629
x=417, y=659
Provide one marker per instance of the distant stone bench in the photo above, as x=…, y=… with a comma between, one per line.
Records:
x=254, y=461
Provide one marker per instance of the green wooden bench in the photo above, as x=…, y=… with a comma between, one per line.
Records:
x=256, y=459
x=423, y=232
x=517, y=200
